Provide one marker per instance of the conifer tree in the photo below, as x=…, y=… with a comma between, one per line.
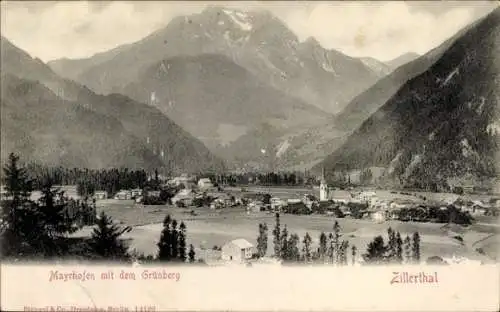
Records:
x=105, y=242
x=391, y=245
x=353, y=254
x=399, y=248
x=293, y=248
x=20, y=216
x=262, y=240
x=331, y=248
x=175, y=240
x=323, y=248
x=191, y=253
x=306, y=249
x=336, y=242
x=285, y=255
x=416, y=248
x=343, y=249
x=407, y=249
x=182, y=243
x=375, y=253
x=277, y=237
x=165, y=243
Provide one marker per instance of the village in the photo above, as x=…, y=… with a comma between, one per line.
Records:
x=223, y=220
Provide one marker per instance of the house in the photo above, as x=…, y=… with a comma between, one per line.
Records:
x=309, y=200
x=256, y=206
x=378, y=216
x=182, y=195
x=101, y=195
x=205, y=183
x=152, y=193
x=238, y=250
x=123, y=195
x=136, y=192
x=277, y=204
x=367, y=196
x=341, y=196
x=184, y=179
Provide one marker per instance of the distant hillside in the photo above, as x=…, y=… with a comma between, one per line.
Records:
x=401, y=60
x=42, y=127
x=378, y=67
x=257, y=41
x=442, y=124
x=218, y=101
x=369, y=101
x=139, y=135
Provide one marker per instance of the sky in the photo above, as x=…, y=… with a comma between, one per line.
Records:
x=383, y=30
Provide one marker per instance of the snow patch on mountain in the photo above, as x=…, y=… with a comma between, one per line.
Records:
x=416, y=159
x=239, y=19
x=282, y=148
x=450, y=76
x=466, y=148
x=329, y=68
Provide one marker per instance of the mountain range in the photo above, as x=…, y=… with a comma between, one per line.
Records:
x=262, y=80
x=256, y=40
x=441, y=125
x=52, y=120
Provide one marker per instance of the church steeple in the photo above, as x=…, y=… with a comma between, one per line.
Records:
x=323, y=187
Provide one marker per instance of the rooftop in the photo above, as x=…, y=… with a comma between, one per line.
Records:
x=242, y=243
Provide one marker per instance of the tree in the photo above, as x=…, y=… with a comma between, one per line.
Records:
x=322, y=246
x=342, y=258
x=20, y=216
x=262, y=240
x=366, y=176
x=375, y=253
x=415, y=247
x=105, y=241
x=54, y=221
x=336, y=242
x=391, y=245
x=17, y=183
x=85, y=188
x=165, y=243
x=293, y=253
x=306, y=249
x=191, y=253
x=277, y=237
x=181, y=246
x=353, y=253
x=284, y=244
x=399, y=248
x=175, y=240
x=407, y=249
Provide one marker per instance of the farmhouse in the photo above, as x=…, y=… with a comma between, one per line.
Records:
x=238, y=250
x=309, y=200
x=101, y=195
x=185, y=194
x=123, y=195
x=341, y=196
x=136, y=192
x=205, y=183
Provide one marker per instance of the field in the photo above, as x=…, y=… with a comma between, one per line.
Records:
x=210, y=228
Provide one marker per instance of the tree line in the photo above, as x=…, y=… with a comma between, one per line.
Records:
x=42, y=229
x=334, y=250
x=89, y=180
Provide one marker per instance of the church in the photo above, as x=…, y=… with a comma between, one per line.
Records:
x=324, y=192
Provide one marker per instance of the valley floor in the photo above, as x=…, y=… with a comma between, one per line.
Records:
x=209, y=228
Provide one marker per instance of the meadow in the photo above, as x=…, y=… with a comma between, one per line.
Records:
x=208, y=228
